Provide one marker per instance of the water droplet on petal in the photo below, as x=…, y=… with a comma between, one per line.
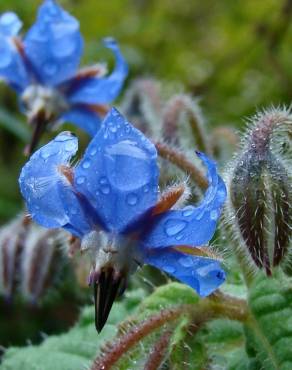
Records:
x=113, y=128
x=93, y=151
x=214, y=215
x=80, y=180
x=128, y=158
x=86, y=164
x=64, y=47
x=70, y=146
x=221, y=195
x=200, y=215
x=188, y=211
x=132, y=199
x=105, y=189
x=186, y=261
x=169, y=268
x=45, y=153
x=103, y=180
x=50, y=68
x=173, y=227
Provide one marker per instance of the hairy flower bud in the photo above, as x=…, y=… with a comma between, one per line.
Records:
x=37, y=262
x=26, y=258
x=12, y=239
x=260, y=191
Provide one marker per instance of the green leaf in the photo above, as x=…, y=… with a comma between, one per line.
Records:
x=167, y=296
x=9, y=122
x=269, y=330
x=75, y=349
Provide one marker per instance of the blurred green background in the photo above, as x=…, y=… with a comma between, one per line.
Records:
x=235, y=55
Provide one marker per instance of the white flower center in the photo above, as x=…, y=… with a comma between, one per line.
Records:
x=48, y=100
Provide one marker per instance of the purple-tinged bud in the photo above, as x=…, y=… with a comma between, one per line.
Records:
x=12, y=239
x=27, y=262
x=259, y=184
x=38, y=262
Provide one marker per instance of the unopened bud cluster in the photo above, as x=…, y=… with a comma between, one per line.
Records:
x=259, y=184
x=27, y=255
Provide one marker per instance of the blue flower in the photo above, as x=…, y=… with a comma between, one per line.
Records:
x=42, y=69
x=111, y=201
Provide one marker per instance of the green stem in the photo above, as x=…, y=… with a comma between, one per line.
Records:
x=219, y=305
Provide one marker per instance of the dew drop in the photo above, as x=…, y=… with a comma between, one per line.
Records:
x=86, y=164
x=214, y=215
x=50, y=68
x=80, y=180
x=132, y=199
x=70, y=146
x=169, y=268
x=64, y=47
x=105, y=189
x=186, y=261
x=221, y=195
x=103, y=180
x=173, y=227
x=113, y=129
x=93, y=151
x=45, y=153
x=188, y=211
x=200, y=216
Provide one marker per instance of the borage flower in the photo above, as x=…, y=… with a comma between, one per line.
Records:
x=42, y=69
x=110, y=201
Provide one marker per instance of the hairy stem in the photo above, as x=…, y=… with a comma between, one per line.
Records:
x=158, y=352
x=182, y=162
x=175, y=108
x=219, y=305
x=133, y=336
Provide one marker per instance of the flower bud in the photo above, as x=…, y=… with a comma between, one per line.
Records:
x=260, y=192
x=12, y=239
x=38, y=262
x=27, y=260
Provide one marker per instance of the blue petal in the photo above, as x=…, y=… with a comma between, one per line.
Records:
x=12, y=68
x=191, y=226
x=83, y=117
x=49, y=196
x=202, y=274
x=54, y=44
x=10, y=24
x=119, y=173
x=103, y=90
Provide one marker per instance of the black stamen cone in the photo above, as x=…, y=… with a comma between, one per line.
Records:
x=106, y=291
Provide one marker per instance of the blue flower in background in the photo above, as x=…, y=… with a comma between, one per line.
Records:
x=111, y=201
x=42, y=69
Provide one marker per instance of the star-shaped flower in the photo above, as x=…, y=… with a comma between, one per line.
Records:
x=111, y=201
x=42, y=69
